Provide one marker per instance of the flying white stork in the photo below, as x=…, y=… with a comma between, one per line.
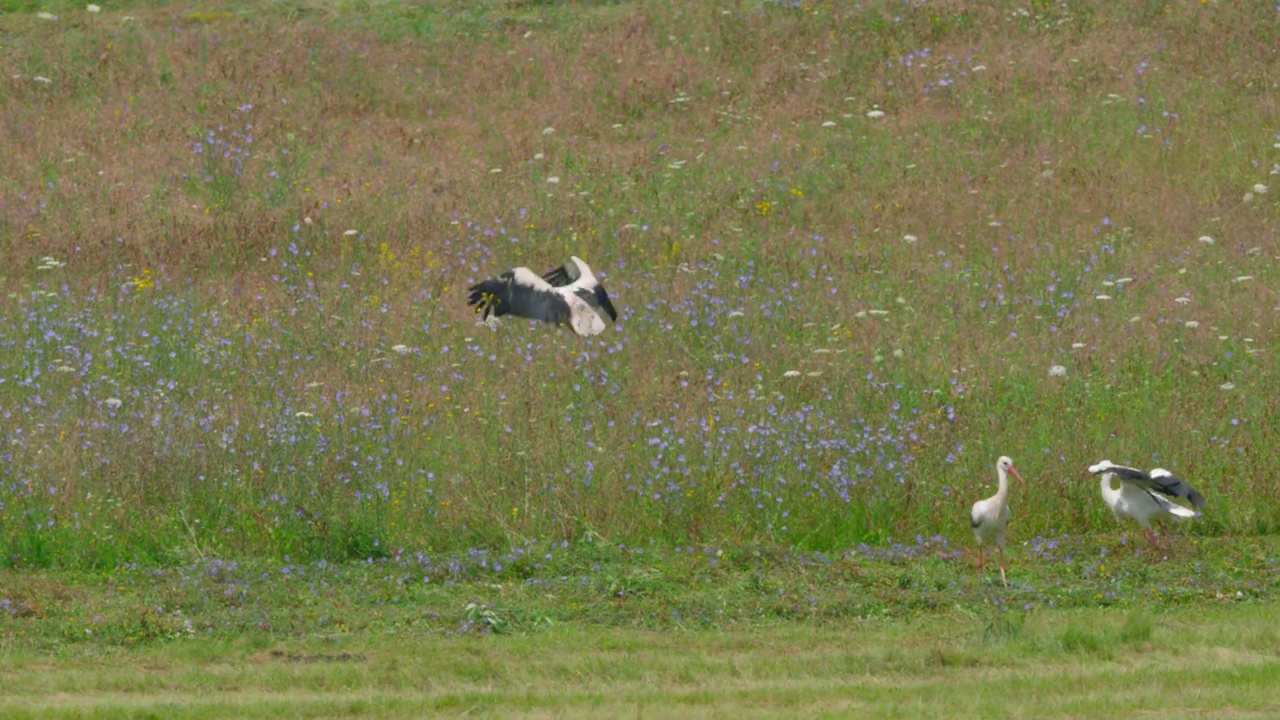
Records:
x=989, y=517
x=568, y=295
x=1144, y=497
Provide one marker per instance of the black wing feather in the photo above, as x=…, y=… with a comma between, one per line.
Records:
x=504, y=296
x=557, y=277
x=1159, y=480
x=492, y=296
x=597, y=298
x=602, y=298
x=1133, y=475
x=1174, y=486
x=566, y=274
x=538, y=305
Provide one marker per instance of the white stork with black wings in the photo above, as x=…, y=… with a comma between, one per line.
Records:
x=568, y=295
x=1144, y=497
x=989, y=517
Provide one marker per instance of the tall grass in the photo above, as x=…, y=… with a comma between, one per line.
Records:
x=237, y=240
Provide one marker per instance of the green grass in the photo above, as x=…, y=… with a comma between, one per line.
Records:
x=752, y=636
x=1214, y=666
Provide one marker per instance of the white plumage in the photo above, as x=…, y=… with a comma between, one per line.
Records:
x=568, y=295
x=1145, y=497
x=990, y=517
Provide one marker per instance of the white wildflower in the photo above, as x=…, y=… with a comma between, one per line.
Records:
x=548, y=130
x=1102, y=297
x=1248, y=197
x=349, y=233
x=875, y=114
x=878, y=312
x=1227, y=386
x=829, y=123
x=1057, y=371
x=1260, y=189
x=1182, y=300
x=1076, y=346
x=908, y=239
x=303, y=414
x=93, y=8
x=554, y=179
x=791, y=373
x=400, y=349
x=1193, y=324
x=46, y=16
x=1206, y=239
x=1243, y=278
x=113, y=402
x=495, y=171
x=42, y=80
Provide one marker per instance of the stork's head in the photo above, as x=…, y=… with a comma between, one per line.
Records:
x=1005, y=464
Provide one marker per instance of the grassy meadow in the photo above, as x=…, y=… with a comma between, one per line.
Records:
x=859, y=250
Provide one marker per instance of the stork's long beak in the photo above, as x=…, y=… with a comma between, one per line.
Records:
x=1014, y=470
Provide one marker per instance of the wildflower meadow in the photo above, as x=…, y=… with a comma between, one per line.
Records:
x=858, y=250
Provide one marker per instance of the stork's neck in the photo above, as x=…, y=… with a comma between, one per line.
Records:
x=1002, y=490
x=1106, y=483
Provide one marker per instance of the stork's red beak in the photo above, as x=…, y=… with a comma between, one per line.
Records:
x=1014, y=470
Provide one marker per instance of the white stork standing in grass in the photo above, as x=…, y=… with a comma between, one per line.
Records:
x=1144, y=497
x=568, y=295
x=989, y=517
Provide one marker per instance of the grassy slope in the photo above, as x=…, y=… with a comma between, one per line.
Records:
x=256, y=204
x=209, y=431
